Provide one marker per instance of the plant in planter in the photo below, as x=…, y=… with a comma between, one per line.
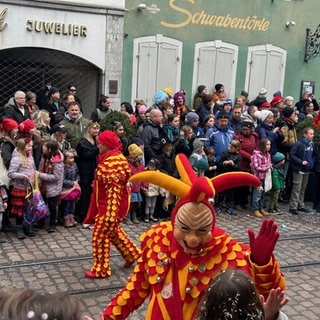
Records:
x=314, y=124
x=130, y=131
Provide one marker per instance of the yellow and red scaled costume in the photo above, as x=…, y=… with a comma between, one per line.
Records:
x=108, y=206
x=174, y=280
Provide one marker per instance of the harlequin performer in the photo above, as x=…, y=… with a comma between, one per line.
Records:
x=108, y=207
x=179, y=258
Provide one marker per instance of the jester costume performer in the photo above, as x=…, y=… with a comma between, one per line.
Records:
x=181, y=257
x=108, y=206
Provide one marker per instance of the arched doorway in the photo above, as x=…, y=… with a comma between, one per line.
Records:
x=32, y=68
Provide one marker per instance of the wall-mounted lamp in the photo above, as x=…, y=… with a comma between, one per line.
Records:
x=142, y=6
x=290, y=24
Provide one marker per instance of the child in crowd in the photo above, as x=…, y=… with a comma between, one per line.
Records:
x=3, y=205
x=70, y=180
x=301, y=162
x=183, y=143
x=151, y=195
x=232, y=295
x=211, y=171
x=229, y=161
x=198, y=158
x=21, y=172
x=260, y=164
x=278, y=181
x=59, y=133
x=51, y=176
x=134, y=159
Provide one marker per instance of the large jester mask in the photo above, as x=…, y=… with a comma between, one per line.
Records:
x=193, y=216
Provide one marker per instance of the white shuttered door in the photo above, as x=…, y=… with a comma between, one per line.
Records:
x=157, y=65
x=265, y=69
x=215, y=62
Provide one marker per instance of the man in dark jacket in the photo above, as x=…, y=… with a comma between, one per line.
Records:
x=152, y=134
x=18, y=110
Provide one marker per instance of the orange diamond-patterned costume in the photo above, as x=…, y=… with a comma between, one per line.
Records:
x=108, y=206
x=175, y=280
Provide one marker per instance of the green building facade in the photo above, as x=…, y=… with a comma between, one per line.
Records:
x=244, y=44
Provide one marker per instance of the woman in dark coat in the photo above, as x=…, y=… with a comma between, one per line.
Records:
x=87, y=153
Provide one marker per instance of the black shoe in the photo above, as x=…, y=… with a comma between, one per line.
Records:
x=304, y=210
x=293, y=211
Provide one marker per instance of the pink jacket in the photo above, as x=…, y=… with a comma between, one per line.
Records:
x=260, y=164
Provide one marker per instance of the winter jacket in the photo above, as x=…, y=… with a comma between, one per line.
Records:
x=52, y=179
x=266, y=131
x=151, y=136
x=278, y=178
x=299, y=152
x=247, y=145
x=135, y=168
x=260, y=164
x=14, y=113
x=19, y=168
x=235, y=157
x=71, y=174
x=289, y=137
x=75, y=129
x=219, y=139
x=87, y=160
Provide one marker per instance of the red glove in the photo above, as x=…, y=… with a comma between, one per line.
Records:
x=263, y=245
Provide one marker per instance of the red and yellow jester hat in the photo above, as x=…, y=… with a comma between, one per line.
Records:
x=191, y=188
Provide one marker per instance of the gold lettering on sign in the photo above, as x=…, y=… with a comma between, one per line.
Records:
x=3, y=15
x=219, y=21
x=65, y=29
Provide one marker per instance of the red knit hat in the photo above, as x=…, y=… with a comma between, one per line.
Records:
x=276, y=100
x=9, y=124
x=110, y=140
x=26, y=125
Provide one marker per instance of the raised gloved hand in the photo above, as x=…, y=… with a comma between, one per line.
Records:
x=263, y=245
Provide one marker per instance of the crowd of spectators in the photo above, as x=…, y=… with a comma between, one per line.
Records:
x=217, y=134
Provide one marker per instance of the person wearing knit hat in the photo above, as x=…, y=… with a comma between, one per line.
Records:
x=160, y=97
x=134, y=151
x=287, y=112
x=263, y=93
x=108, y=140
x=267, y=129
x=178, y=261
x=263, y=114
x=142, y=109
x=278, y=181
x=276, y=100
x=265, y=105
x=277, y=94
x=136, y=165
x=26, y=126
x=219, y=88
x=191, y=117
x=109, y=203
x=168, y=91
x=244, y=93
x=8, y=124
x=197, y=99
x=201, y=88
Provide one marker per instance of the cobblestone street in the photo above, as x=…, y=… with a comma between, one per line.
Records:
x=55, y=262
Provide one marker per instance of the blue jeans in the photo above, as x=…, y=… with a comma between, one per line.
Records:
x=258, y=197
